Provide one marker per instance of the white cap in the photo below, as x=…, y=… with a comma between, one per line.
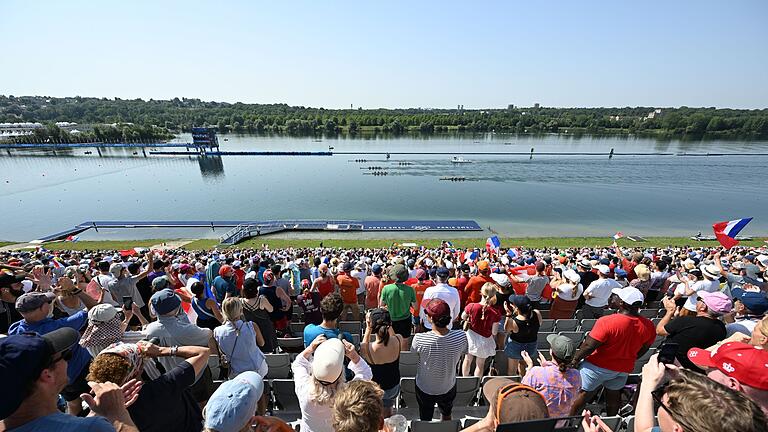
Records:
x=572, y=276
x=629, y=295
x=604, y=269
x=328, y=362
x=102, y=312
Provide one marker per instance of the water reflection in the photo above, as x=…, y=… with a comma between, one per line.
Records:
x=211, y=167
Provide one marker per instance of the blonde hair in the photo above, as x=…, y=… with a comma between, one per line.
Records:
x=488, y=291
x=358, y=407
x=323, y=394
x=232, y=309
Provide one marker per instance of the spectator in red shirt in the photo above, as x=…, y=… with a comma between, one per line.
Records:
x=348, y=289
x=419, y=286
x=472, y=290
x=481, y=325
x=628, y=265
x=373, y=285
x=611, y=348
x=462, y=278
x=239, y=275
x=324, y=283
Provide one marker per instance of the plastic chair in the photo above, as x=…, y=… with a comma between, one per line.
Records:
x=649, y=313
x=284, y=391
x=352, y=327
x=547, y=325
x=435, y=426
x=541, y=342
x=587, y=324
x=279, y=365
x=500, y=362
x=294, y=344
x=409, y=362
x=407, y=393
x=575, y=336
x=566, y=325
x=466, y=390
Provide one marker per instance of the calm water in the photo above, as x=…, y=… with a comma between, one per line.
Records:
x=549, y=195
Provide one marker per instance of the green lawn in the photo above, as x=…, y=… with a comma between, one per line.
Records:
x=102, y=244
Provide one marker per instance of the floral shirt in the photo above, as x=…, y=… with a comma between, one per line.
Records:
x=559, y=389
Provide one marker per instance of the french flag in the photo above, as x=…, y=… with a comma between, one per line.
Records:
x=618, y=235
x=513, y=253
x=470, y=255
x=72, y=238
x=726, y=232
x=493, y=244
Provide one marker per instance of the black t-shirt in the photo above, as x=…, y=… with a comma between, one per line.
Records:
x=587, y=277
x=165, y=404
x=311, y=307
x=693, y=331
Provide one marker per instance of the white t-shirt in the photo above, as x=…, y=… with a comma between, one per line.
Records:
x=702, y=285
x=600, y=291
x=360, y=276
x=445, y=292
x=566, y=291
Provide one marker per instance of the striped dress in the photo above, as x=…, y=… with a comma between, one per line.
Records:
x=438, y=358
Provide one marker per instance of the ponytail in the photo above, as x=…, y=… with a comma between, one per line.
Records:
x=382, y=334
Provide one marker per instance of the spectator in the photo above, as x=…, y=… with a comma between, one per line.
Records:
x=35, y=308
x=358, y=408
x=373, y=286
x=749, y=308
x=163, y=404
x=330, y=307
x=439, y=353
x=360, y=272
x=702, y=330
x=348, y=289
x=278, y=299
x=256, y=308
x=383, y=355
x=628, y=265
x=568, y=289
x=325, y=283
x=309, y=302
x=98, y=286
x=481, y=321
x=399, y=298
x=442, y=291
x=472, y=289
x=240, y=340
x=659, y=276
x=555, y=380
x=509, y=402
x=419, y=286
x=584, y=269
x=33, y=369
x=610, y=349
x=207, y=310
x=233, y=405
x=760, y=334
x=172, y=330
x=223, y=285
x=107, y=326
x=522, y=326
x=535, y=284
x=598, y=292
x=124, y=283
x=709, y=282
x=319, y=380
x=643, y=280
x=66, y=303
x=735, y=277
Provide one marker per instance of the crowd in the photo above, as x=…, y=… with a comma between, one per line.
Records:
x=121, y=340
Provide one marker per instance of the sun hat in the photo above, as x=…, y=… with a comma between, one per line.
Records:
x=572, y=276
x=102, y=312
x=585, y=264
x=747, y=364
x=165, y=301
x=33, y=300
x=234, y=403
x=399, y=273
x=328, y=361
x=518, y=403
x=716, y=302
x=643, y=272
x=501, y=280
x=22, y=359
x=7, y=279
x=711, y=271
x=629, y=295
x=562, y=346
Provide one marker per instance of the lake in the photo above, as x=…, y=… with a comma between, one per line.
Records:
x=645, y=195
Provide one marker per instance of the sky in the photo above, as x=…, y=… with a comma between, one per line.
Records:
x=395, y=54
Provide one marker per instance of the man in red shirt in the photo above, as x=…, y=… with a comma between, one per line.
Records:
x=373, y=287
x=421, y=285
x=627, y=265
x=611, y=348
x=472, y=290
x=348, y=289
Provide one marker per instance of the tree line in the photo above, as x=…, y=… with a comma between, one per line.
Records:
x=154, y=118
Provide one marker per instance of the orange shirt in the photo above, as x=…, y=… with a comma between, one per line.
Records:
x=372, y=288
x=472, y=290
x=419, y=288
x=348, y=287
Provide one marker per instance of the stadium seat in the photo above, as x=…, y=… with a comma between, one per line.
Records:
x=409, y=362
x=407, y=393
x=294, y=344
x=547, y=325
x=655, y=305
x=352, y=327
x=566, y=325
x=544, y=353
x=297, y=327
x=657, y=343
x=542, y=340
x=575, y=336
x=500, y=362
x=649, y=313
x=485, y=379
x=544, y=314
x=213, y=363
x=587, y=324
x=435, y=426
x=470, y=421
x=579, y=315
x=466, y=390
x=279, y=365
x=285, y=395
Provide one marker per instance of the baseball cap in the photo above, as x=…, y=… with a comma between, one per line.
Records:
x=347, y=267
x=328, y=361
x=23, y=357
x=442, y=272
x=483, y=265
x=738, y=360
x=399, y=273
x=421, y=274
x=756, y=302
x=629, y=295
x=33, y=300
x=501, y=280
x=437, y=308
x=376, y=269
x=165, y=301
x=585, y=264
x=572, y=276
x=7, y=279
x=620, y=272
x=102, y=312
x=233, y=404
x=717, y=302
x=522, y=404
x=562, y=347
x=160, y=282
x=604, y=269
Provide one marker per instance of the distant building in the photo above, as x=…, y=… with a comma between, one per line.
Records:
x=510, y=106
x=653, y=113
x=18, y=129
x=536, y=105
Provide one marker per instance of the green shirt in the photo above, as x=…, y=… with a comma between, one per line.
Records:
x=398, y=298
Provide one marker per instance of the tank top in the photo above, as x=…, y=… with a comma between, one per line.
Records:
x=386, y=375
x=527, y=330
x=325, y=287
x=201, y=309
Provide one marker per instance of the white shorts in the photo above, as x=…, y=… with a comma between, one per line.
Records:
x=481, y=347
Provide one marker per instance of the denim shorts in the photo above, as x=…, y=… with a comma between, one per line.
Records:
x=514, y=350
x=592, y=377
x=390, y=396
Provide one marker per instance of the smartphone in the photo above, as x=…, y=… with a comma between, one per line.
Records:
x=127, y=302
x=667, y=352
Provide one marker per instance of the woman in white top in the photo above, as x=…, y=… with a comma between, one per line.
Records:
x=239, y=340
x=318, y=373
x=568, y=289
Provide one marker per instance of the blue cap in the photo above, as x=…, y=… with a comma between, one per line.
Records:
x=165, y=301
x=756, y=302
x=521, y=302
x=531, y=260
x=620, y=272
x=442, y=272
x=376, y=269
x=605, y=261
x=22, y=359
x=233, y=404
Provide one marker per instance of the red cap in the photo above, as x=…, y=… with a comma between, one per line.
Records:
x=224, y=270
x=738, y=360
x=437, y=308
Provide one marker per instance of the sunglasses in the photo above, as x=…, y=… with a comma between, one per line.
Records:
x=657, y=397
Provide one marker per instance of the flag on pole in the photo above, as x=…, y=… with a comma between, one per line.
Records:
x=618, y=235
x=470, y=255
x=56, y=263
x=72, y=238
x=513, y=253
x=493, y=244
x=727, y=231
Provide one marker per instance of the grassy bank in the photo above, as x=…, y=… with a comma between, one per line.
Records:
x=533, y=242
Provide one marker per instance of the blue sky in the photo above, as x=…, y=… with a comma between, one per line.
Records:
x=392, y=54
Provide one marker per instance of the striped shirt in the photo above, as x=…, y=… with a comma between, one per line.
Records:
x=438, y=358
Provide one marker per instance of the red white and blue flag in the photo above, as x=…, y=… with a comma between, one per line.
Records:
x=72, y=238
x=493, y=244
x=514, y=253
x=618, y=235
x=726, y=232
x=470, y=255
